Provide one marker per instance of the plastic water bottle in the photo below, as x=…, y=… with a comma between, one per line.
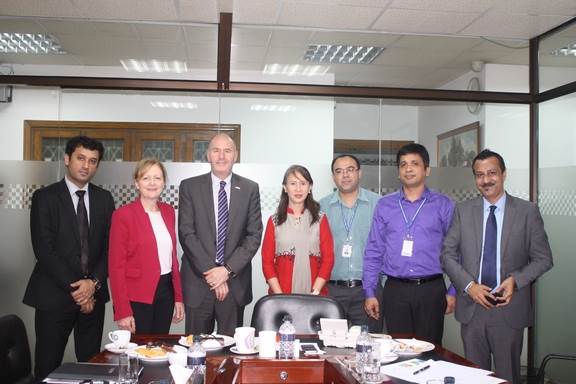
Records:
x=363, y=349
x=197, y=357
x=287, y=335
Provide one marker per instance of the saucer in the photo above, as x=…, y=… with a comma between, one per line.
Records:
x=110, y=347
x=235, y=350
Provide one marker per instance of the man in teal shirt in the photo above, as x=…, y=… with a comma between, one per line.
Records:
x=349, y=211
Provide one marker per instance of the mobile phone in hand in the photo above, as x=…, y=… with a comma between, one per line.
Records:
x=497, y=295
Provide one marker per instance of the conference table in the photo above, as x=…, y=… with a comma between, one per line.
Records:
x=225, y=367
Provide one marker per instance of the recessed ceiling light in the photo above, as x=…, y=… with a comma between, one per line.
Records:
x=272, y=108
x=569, y=50
x=174, y=105
x=341, y=54
x=295, y=69
x=156, y=66
x=30, y=43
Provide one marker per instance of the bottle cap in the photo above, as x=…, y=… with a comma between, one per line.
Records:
x=449, y=380
x=196, y=339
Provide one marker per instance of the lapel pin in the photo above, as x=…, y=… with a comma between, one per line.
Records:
x=236, y=187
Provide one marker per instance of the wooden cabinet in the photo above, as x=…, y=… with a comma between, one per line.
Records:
x=125, y=141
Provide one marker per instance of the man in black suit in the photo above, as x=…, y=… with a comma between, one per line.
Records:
x=69, y=224
x=220, y=227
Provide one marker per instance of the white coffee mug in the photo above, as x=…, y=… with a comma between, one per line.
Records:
x=267, y=343
x=244, y=338
x=179, y=356
x=120, y=338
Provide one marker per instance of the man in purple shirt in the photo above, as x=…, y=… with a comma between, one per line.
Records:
x=404, y=243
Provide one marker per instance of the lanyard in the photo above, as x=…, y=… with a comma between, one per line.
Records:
x=348, y=224
x=409, y=224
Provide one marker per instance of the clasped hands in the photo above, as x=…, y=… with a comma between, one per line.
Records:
x=217, y=278
x=83, y=294
x=482, y=295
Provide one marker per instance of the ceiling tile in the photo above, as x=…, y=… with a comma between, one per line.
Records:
x=327, y=16
x=202, y=11
x=43, y=8
x=203, y=52
x=128, y=9
x=251, y=36
x=201, y=34
x=414, y=57
x=539, y=7
x=474, y=6
x=245, y=66
x=290, y=38
x=22, y=26
x=443, y=43
x=415, y=21
x=500, y=24
x=256, y=11
x=248, y=53
x=354, y=38
x=165, y=51
x=284, y=55
x=159, y=32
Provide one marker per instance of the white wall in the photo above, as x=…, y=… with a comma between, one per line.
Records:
x=28, y=103
x=302, y=135
x=361, y=121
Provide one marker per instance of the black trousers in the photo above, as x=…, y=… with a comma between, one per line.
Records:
x=53, y=327
x=416, y=309
x=352, y=300
x=156, y=317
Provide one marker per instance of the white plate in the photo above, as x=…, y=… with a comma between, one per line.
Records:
x=235, y=350
x=380, y=336
x=228, y=341
x=422, y=346
x=388, y=358
x=151, y=359
x=110, y=347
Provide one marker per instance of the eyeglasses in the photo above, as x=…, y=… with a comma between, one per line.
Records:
x=342, y=171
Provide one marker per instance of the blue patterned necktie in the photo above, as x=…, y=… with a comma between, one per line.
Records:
x=489, y=256
x=222, y=223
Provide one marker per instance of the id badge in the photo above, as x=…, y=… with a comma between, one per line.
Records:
x=407, y=247
x=347, y=250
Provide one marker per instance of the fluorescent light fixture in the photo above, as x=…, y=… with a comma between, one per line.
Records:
x=174, y=104
x=295, y=69
x=272, y=108
x=569, y=50
x=156, y=66
x=341, y=54
x=30, y=43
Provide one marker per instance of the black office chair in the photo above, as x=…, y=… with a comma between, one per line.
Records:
x=305, y=311
x=540, y=376
x=15, y=361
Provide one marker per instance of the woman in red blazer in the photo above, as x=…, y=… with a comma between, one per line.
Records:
x=142, y=262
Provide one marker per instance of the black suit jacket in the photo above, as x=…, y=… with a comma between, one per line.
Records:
x=197, y=233
x=56, y=244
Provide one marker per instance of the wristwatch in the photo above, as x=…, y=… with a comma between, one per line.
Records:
x=230, y=271
x=97, y=284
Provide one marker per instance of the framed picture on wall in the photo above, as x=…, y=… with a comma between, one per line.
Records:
x=458, y=147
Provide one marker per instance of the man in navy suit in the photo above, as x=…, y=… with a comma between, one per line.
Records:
x=69, y=224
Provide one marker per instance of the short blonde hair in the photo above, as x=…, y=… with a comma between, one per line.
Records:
x=145, y=164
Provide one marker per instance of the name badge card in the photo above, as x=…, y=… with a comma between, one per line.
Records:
x=407, y=247
x=347, y=250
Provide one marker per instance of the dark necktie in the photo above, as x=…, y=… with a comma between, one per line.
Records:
x=222, y=223
x=489, y=256
x=82, y=218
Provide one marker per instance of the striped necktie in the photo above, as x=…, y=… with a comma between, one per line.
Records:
x=222, y=223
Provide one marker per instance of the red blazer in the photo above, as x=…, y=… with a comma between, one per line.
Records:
x=133, y=265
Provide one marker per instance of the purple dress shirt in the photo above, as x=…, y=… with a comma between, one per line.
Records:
x=388, y=231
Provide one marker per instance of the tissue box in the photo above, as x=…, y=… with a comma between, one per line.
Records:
x=335, y=333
